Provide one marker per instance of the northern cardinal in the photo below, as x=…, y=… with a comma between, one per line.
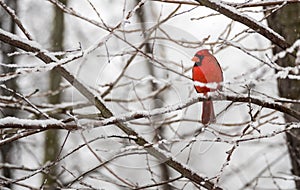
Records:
x=206, y=70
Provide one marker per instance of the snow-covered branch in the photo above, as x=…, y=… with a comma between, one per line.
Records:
x=234, y=14
x=13, y=122
x=15, y=18
x=263, y=102
x=266, y=103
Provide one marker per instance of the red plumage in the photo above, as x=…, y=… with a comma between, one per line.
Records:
x=206, y=70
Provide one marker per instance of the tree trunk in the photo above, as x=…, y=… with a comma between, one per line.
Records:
x=52, y=136
x=159, y=132
x=7, y=23
x=286, y=22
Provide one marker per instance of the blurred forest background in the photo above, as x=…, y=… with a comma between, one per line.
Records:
x=98, y=94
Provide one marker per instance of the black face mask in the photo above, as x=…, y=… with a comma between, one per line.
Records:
x=201, y=57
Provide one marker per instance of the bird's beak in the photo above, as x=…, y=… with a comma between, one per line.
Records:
x=195, y=59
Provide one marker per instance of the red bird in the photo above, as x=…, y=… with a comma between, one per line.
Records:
x=206, y=70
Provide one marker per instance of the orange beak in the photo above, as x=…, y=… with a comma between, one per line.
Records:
x=195, y=59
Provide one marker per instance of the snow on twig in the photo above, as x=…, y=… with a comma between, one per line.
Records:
x=282, y=72
x=291, y=49
x=13, y=93
x=13, y=122
x=35, y=69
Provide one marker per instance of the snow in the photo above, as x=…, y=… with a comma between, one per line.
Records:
x=29, y=122
x=212, y=85
x=283, y=53
x=13, y=37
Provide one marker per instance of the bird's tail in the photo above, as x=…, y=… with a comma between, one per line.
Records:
x=208, y=114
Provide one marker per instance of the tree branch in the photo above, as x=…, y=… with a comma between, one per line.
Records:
x=232, y=13
x=13, y=122
x=15, y=18
x=199, y=98
x=31, y=46
x=271, y=104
